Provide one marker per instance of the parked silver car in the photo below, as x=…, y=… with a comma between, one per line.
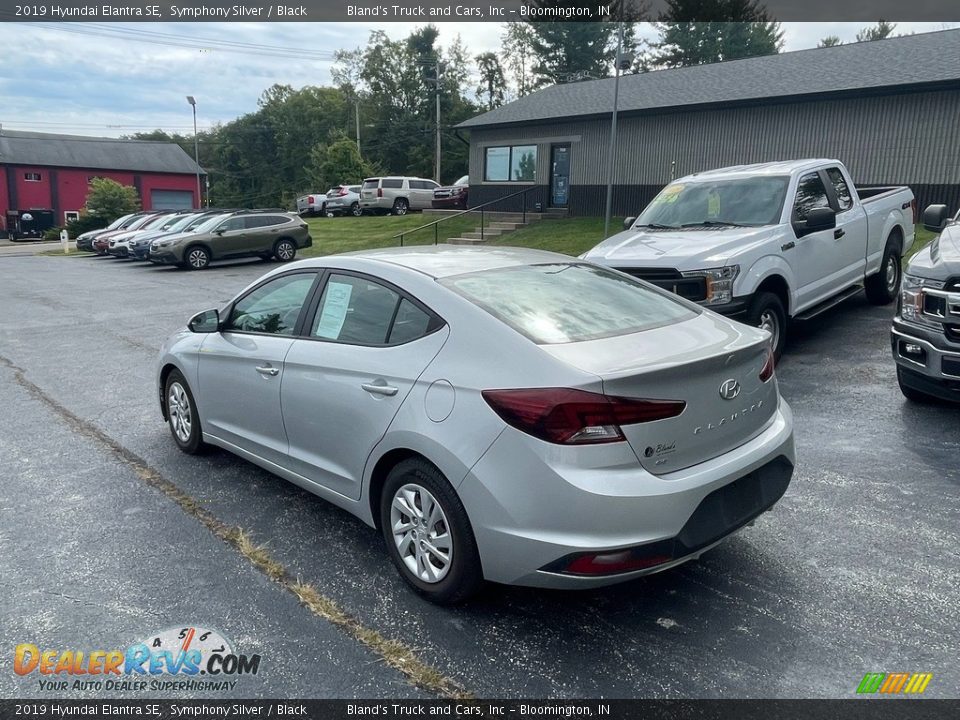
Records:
x=344, y=200
x=396, y=195
x=502, y=414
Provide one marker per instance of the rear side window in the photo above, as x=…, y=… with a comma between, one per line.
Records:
x=360, y=311
x=810, y=194
x=371, y=184
x=354, y=188
x=568, y=302
x=840, y=186
x=394, y=183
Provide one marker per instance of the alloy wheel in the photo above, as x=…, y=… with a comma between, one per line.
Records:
x=892, y=273
x=285, y=251
x=198, y=258
x=421, y=533
x=771, y=323
x=178, y=409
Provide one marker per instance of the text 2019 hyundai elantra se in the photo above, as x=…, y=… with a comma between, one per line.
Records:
x=502, y=414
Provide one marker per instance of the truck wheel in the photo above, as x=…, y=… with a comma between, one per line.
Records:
x=883, y=287
x=356, y=210
x=908, y=392
x=400, y=206
x=767, y=312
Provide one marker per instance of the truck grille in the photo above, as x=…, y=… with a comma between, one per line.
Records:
x=691, y=288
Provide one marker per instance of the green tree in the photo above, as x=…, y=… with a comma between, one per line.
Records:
x=107, y=200
x=518, y=54
x=879, y=31
x=830, y=41
x=697, y=32
x=492, y=80
x=337, y=163
x=565, y=51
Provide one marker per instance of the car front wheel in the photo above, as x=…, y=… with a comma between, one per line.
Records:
x=197, y=258
x=182, y=414
x=356, y=210
x=884, y=287
x=428, y=534
x=767, y=313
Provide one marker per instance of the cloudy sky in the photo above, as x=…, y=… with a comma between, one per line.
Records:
x=109, y=80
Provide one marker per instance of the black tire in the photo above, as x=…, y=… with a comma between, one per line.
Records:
x=464, y=577
x=884, y=286
x=909, y=393
x=767, y=311
x=400, y=207
x=191, y=442
x=196, y=257
x=285, y=250
x=356, y=210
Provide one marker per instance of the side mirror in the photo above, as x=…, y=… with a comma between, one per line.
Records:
x=821, y=219
x=219, y=231
x=207, y=321
x=628, y=223
x=935, y=218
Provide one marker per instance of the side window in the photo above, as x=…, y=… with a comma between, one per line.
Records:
x=418, y=185
x=810, y=194
x=274, y=307
x=360, y=311
x=393, y=183
x=234, y=223
x=840, y=186
x=254, y=221
x=411, y=323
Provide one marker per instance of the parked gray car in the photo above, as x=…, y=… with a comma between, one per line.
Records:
x=396, y=195
x=233, y=235
x=502, y=414
x=344, y=200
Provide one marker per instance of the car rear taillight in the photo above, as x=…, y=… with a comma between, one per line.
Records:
x=379, y=192
x=766, y=372
x=575, y=417
x=310, y=198
x=342, y=192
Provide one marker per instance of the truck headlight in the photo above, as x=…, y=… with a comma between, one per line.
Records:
x=914, y=301
x=719, y=283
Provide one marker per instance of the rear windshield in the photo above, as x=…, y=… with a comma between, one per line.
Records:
x=568, y=302
x=371, y=184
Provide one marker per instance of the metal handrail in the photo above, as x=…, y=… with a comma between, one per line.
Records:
x=435, y=223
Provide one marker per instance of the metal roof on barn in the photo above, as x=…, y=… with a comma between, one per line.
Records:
x=96, y=153
x=924, y=59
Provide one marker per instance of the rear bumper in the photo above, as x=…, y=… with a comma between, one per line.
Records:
x=532, y=514
x=936, y=370
x=377, y=204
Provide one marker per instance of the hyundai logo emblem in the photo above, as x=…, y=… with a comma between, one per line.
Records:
x=729, y=389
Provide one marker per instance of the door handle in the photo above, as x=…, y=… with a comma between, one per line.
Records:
x=839, y=233
x=267, y=370
x=380, y=389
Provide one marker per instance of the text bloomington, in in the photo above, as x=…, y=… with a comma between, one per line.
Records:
x=64, y=12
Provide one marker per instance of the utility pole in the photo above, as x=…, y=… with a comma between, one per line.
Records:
x=357, y=105
x=621, y=60
x=196, y=150
x=437, y=173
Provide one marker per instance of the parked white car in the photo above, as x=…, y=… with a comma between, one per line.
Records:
x=344, y=200
x=769, y=242
x=397, y=195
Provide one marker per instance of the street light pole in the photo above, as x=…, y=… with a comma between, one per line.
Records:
x=613, y=133
x=196, y=151
x=437, y=174
x=357, y=105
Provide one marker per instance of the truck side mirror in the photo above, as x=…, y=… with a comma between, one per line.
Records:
x=935, y=218
x=628, y=223
x=821, y=218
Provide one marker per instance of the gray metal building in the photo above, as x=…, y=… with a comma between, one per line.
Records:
x=890, y=109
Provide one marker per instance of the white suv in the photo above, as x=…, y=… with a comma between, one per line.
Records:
x=396, y=195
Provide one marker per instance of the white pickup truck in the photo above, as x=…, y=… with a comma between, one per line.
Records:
x=770, y=242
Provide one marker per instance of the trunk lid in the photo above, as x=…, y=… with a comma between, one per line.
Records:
x=709, y=362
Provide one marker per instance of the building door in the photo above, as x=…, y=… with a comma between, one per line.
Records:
x=171, y=199
x=559, y=175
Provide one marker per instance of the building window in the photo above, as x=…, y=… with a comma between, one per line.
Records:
x=31, y=177
x=70, y=216
x=514, y=163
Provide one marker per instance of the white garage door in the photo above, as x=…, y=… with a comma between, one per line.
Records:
x=171, y=199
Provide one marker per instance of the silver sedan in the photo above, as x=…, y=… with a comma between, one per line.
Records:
x=498, y=414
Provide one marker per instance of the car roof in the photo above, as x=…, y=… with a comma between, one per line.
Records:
x=439, y=261
x=780, y=167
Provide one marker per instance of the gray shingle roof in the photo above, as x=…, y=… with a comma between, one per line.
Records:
x=894, y=62
x=31, y=148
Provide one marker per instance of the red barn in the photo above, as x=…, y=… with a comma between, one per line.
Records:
x=45, y=177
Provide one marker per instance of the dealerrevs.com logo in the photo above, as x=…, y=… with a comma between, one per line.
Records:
x=183, y=658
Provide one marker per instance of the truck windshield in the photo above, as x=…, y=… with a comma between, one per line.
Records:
x=750, y=202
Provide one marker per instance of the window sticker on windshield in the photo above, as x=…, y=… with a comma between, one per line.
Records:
x=668, y=195
x=334, y=311
x=713, y=204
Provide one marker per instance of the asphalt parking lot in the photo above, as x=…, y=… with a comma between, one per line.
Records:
x=856, y=570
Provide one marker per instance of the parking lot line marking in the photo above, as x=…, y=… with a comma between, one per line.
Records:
x=394, y=653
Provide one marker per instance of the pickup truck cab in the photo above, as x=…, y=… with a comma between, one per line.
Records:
x=925, y=337
x=768, y=243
